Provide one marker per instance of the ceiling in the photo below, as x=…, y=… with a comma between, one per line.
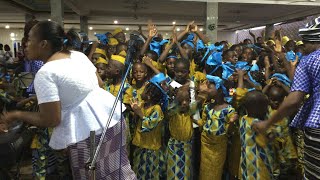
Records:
x=131, y=13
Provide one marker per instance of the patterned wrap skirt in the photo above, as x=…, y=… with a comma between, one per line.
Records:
x=146, y=163
x=179, y=159
x=112, y=161
x=312, y=153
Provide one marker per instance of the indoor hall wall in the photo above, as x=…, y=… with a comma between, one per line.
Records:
x=5, y=37
x=229, y=36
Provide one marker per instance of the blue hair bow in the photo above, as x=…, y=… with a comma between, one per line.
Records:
x=210, y=48
x=254, y=67
x=291, y=56
x=102, y=38
x=218, y=83
x=282, y=78
x=242, y=65
x=215, y=59
x=228, y=70
x=164, y=41
x=156, y=80
x=155, y=46
x=200, y=45
x=189, y=40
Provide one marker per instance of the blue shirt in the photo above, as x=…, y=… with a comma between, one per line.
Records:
x=306, y=79
x=33, y=67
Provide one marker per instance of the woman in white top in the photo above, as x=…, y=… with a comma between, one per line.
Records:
x=71, y=101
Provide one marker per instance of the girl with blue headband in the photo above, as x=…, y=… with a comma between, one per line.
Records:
x=217, y=115
x=286, y=155
x=148, y=134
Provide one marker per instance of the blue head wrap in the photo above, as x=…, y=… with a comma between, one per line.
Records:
x=155, y=46
x=200, y=45
x=219, y=83
x=242, y=65
x=102, y=38
x=291, y=56
x=212, y=47
x=164, y=41
x=156, y=80
x=189, y=40
x=215, y=59
x=282, y=78
x=254, y=67
x=174, y=57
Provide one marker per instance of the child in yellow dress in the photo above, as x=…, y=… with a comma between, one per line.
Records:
x=147, y=137
x=216, y=117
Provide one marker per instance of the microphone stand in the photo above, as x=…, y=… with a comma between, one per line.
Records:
x=91, y=163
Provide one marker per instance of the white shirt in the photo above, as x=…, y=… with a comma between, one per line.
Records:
x=85, y=106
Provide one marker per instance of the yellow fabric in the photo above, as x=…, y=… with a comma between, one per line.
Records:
x=192, y=68
x=152, y=139
x=113, y=42
x=213, y=156
x=239, y=95
x=136, y=93
x=299, y=43
x=114, y=89
x=180, y=126
x=123, y=53
x=116, y=31
x=284, y=40
x=198, y=77
x=100, y=51
x=36, y=144
x=118, y=58
x=101, y=60
x=272, y=41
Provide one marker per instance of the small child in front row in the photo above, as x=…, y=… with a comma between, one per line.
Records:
x=180, y=145
x=147, y=137
x=216, y=117
x=256, y=149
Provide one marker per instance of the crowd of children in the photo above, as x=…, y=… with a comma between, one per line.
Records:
x=190, y=104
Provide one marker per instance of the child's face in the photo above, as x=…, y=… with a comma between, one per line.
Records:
x=121, y=37
x=111, y=70
x=112, y=50
x=238, y=50
x=275, y=97
x=247, y=55
x=181, y=73
x=95, y=57
x=164, y=85
x=232, y=57
x=170, y=65
x=212, y=93
x=101, y=69
x=139, y=72
x=183, y=99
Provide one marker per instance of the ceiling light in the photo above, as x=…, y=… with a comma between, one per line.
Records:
x=167, y=34
x=178, y=29
x=115, y=22
x=49, y=19
x=173, y=22
x=7, y=27
x=12, y=34
x=90, y=28
x=127, y=29
x=12, y=39
x=125, y=33
x=201, y=29
x=95, y=33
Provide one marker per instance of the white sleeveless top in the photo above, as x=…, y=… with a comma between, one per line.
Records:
x=84, y=105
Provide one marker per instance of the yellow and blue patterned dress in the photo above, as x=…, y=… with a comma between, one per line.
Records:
x=256, y=161
x=283, y=144
x=147, y=138
x=214, y=140
x=179, y=146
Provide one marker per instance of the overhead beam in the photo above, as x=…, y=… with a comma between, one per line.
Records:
x=75, y=6
x=279, y=2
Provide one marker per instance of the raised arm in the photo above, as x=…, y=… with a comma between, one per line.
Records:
x=152, y=32
x=204, y=38
x=183, y=33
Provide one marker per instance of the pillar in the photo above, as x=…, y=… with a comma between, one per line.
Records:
x=84, y=24
x=57, y=11
x=268, y=32
x=212, y=21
